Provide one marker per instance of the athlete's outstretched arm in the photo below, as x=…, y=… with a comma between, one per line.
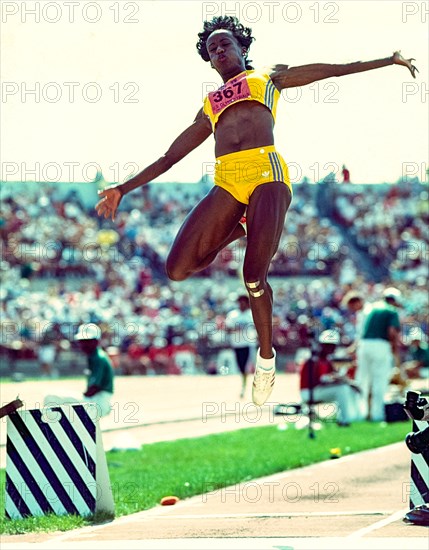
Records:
x=284, y=76
x=186, y=142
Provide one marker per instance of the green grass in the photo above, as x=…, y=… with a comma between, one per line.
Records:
x=188, y=467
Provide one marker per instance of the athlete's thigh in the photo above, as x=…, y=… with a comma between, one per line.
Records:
x=208, y=224
x=266, y=214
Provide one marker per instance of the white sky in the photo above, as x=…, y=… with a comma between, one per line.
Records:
x=366, y=121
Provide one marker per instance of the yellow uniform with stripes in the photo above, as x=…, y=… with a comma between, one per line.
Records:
x=241, y=172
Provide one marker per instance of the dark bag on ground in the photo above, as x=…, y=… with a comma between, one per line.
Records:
x=395, y=412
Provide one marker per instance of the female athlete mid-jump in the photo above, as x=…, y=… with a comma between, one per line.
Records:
x=251, y=177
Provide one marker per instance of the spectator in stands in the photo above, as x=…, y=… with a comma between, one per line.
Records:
x=47, y=352
x=242, y=337
x=99, y=388
x=328, y=384
x=378, y=352
x=346, y=174
x=354, y=303
x=417, y=365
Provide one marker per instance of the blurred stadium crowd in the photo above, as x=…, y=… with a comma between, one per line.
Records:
x=62, y=266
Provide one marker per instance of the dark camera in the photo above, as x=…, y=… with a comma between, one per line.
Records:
x=418, y=442
x=417, y=408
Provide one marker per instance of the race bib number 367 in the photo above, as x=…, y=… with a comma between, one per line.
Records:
x=233, y=90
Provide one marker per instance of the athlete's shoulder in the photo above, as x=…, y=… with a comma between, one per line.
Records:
x=277, y=74
x=278, y=68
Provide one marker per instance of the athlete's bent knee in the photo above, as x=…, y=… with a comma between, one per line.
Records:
x=174, y=273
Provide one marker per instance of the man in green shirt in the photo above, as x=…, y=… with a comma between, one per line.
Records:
x=378, y=353
x=99, y=388
x=100, y=379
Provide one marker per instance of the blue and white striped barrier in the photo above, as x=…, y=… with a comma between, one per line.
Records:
x=56, y=463
x=419, y=490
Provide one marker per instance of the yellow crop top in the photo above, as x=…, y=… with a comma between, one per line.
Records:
x=249, y=85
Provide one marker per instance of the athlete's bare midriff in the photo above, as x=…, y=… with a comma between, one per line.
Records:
x=246, y=125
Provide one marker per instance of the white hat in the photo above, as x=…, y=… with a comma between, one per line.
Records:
x=88, y=331
x=394, y=294
x=416, y=333
x=331, y=336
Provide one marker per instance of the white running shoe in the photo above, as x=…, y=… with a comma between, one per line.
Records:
x=263, y=381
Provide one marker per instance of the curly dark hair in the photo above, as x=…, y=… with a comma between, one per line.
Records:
x=231, y=23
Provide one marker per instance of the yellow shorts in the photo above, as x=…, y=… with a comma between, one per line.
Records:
x=241, y=172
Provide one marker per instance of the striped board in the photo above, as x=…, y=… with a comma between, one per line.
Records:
x=55, y=463
x=419, y=490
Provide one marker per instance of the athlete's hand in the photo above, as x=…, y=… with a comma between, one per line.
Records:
x=108, y=204
x=399, y=60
